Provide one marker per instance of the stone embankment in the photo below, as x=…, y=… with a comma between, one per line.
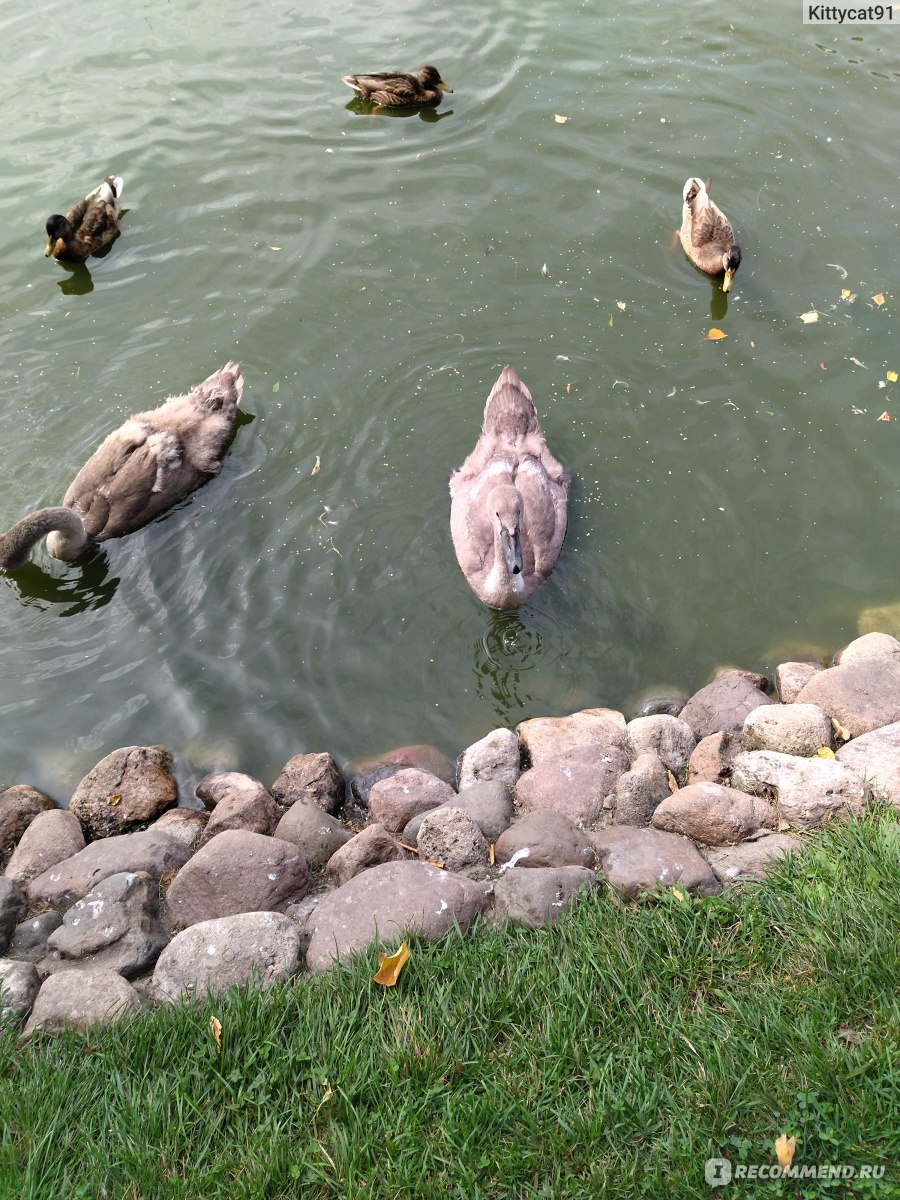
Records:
x=125, y=899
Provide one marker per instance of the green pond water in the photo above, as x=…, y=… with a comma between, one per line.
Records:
x=732, y=502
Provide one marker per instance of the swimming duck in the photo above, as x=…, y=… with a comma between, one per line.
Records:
x=508, y=501
x=391, y=89
x=706, y=233
x=150, y=463
x=89, y=225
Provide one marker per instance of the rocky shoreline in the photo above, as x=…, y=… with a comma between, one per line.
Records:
x=126, y=899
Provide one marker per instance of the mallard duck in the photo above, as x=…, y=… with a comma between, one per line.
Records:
x=508, y=501
x=391, y=89
x=150, y=463
x=706, y=233
x=89, y=225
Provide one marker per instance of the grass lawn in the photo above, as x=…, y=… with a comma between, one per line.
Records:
x=611, y=1055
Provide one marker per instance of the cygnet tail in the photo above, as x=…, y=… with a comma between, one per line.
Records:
x=509, y=410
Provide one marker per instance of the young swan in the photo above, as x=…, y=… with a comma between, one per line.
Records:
x=706, y=233
x=150, y=463
x=89, y=225
x=508, y=501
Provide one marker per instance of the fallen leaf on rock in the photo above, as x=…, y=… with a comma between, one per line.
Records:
x=391, y=966
x=782, y=825
x=113, y=800
x=215, y=1028
x=879, y=299
x=891, y=376
x=885, y=416
x=808, y=317
x=824, y=752
x=492, y=854
x=672, y=781
x=317, y=466
x=560, y=120
x=784, y=1150
x=716, y=335
x=841, y=732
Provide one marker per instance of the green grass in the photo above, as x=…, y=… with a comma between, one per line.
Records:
x=608, y=1056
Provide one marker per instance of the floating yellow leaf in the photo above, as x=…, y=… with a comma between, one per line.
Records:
x=620, y=304
x=784, y=1150
x=391, y=966
x=317, y=466
x=891, y=376
x=808, y=317
x=716, y=335
x=847, y=295
x=885, y=416
x=824, y=752
x=560, y=120
x=879, y=299
x=215, y=1028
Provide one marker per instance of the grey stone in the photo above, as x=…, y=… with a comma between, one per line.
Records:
x=19, y=805
x=19, y=984
x=312, y=777
x=51, y=838
x=870, y=645
x=29, y=939
x=12, y=909
x=712, y=758
x=640, y=790
x=792, y=677
x=246, y=807
x=668, y=705
x=544, y=738
x=116, y=925
x=385, y=903
x=752, y=859
x=875, y=757
x=129, y=787
x=421, y=757
x=494, y=758
x=722, y=705
x=452, y=839
x=222, y=785
x=804, y=791
x=185, y=825
x=862, y=695
x=372, y=846
x=537, y=897
x=575, y=784
x=713, y=815
x=63, y=884
x=211, y=956
x=489, y=804
x=636, y=860
x=394, y=801
x=82, y=998
x=544, y=839
x=669, y=738
x=314, y=831
x=237, y=872
x=800, y=729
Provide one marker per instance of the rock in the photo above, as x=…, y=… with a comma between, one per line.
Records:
x=19, y=805
x=575, y=784
x=751, y=859
x=711, y=760
x=19, y=984
x=640, y=790
x=12, y=909
x=29, y=939
x=394, y=801
x=875, y=757
x=452, y=839
x=81, y=998
x=224, y=785
x=373, y=846
x=237, y=872
x=63, y=884
x=489, y=804
x=635, y=860
x=246, y=805
x=722, y=705
x=544, y=839
x=51, y=838
x=862, y=695
x=671, y=740
x=800, y=729
x=870, y=645
x=543, y=738
x=804, y=791
x=257, y=947
x=669, y=706
x=312, y=777
x=536, y=898
x=116, y=925
x=494, y=758
x=128, y=788
x=316, y=834
x=792, y=677
x=421, y=757
x=713, y=815
x=185, y=825
x=386, y=902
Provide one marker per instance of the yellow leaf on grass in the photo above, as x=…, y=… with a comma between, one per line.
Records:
x=824, y=752
x=784, y=1150
x=808, y=317
x=679, y=895
x=560, y=120
x=891, y=376
x=885, y=416
x=879, y=299
x=716, y=335
x=391, y=966
x=215, y=1028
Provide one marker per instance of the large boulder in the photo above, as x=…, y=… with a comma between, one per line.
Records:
x=543, y=738
x=544, y=839
x=801, y=729
x=128, y=788
x=369, y=848
x=538, y=897
x=421, y=757
x=12, y=909
x=450, y=837
x=713, y=815
x=805, y=791
x=315, y=778
x=19, y=805
x=640, y=790
x=669, y=738
x=19, y=984
x=494, y=758
x=636, y=860
x=395, y=800
x=81, y=997
x=51, y=838
x=752, y=859
x=489, y=804
x=575, y=784
x=875, y=757
x=861, y=695
x=313, y=831
x=722, y=706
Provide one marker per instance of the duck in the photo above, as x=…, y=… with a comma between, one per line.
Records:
x=508, y=501
x=392, y=89
x=140, y=470
x=706, y=233
x=89, y=225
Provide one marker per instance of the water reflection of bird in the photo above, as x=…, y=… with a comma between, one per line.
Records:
x=89, y=225
x=706, y=233
x=508, y=501
x=150, y=463
x=392, y=89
